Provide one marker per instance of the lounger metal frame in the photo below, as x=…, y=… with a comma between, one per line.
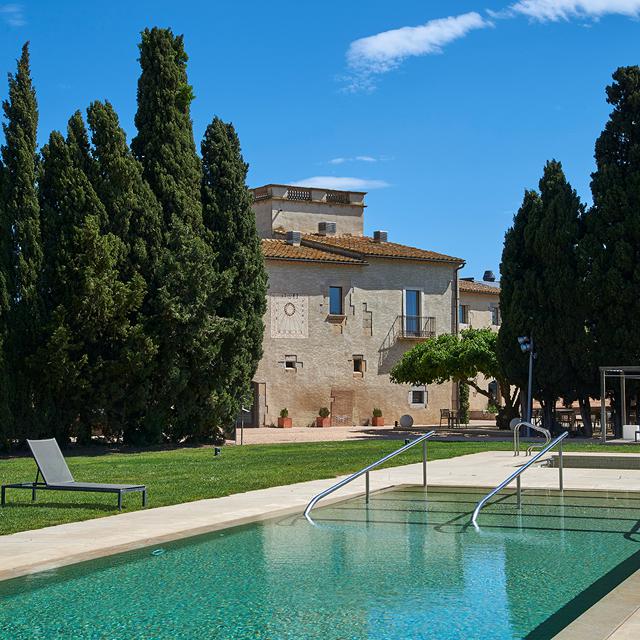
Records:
x=72, y=486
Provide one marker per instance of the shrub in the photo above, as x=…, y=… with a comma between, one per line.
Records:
x=284, y=413
x=377, y=413
x=324, y=412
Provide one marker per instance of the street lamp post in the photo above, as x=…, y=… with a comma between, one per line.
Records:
x=526, y=346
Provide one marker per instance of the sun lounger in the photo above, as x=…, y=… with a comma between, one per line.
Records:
x=57, y=477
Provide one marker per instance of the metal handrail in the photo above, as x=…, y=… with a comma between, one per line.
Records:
x=516, y=476
x=516, y=436
x=369, y=468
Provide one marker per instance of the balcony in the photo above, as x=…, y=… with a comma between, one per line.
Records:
x=415, y=327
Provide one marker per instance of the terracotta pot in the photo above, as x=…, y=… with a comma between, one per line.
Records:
x=285, y=423
x=377, y=422
x=323, y=422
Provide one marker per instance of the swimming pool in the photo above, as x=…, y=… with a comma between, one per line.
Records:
x=408, y=566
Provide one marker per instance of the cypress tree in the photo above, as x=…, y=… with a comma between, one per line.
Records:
x=164, y=143
x=517, y=288
x=135, y=217
x=563, y=350
x=89, y=305
x=22, y=221
x=186, y=328
x=612, y=242
x=133, y=212
x=228, y=214
x=6, y=423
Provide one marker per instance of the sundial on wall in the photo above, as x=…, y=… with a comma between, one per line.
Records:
x=289, y=316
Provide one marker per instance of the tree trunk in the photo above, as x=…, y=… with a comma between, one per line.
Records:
x=548, y=414
x=585, y=412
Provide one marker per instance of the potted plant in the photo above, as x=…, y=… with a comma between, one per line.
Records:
x=323, y=419
x=284, y=421
x=377, y=420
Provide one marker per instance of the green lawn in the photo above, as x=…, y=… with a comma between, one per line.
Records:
x=184, y=475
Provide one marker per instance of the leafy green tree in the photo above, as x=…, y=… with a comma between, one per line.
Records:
x=459, y=359
x=22, y=223
x=611, y=246
x=229, y=216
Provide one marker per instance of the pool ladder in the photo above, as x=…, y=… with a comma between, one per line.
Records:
x=516, y=476
x=516, y=437
x=365, y=472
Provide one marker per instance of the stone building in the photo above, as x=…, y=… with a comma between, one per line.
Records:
x=342, y=308
x=479, y=307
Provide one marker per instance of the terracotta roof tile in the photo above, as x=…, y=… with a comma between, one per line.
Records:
x=478, y=287
x=281, y=250
x=367, y=246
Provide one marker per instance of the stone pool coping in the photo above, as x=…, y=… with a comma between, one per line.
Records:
x=612, y=618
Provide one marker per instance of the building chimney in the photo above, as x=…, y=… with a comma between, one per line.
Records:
x=489, y=276
x=294, y=238
x=327, y=228
x=379, y=236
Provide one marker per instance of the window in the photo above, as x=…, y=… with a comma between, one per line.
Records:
x=335, y=301
x=358, y=365
x=291, y=363
x=412, y=311
x=418, y=397
x=495, y=316
x=463, y=314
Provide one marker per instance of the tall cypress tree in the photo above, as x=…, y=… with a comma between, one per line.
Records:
x=22, y=217
x=133, y=212
x=612, y=242
x=89, y=306
x=563, y=368
x=135, y=217
x=517, y=288
x=164, y=143
x=6, y=422
x=186, y=327
x=228, y=214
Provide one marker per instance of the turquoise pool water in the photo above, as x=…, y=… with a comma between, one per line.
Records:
x=408, y=566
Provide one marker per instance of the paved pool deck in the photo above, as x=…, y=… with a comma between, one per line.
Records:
x=44, y=549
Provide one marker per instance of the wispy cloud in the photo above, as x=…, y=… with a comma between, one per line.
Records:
x=374, y=55
x=554, y=10
x=353, y=159
x=341, y=183
x=13, y=14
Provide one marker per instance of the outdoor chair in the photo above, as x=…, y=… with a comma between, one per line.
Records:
x=445, y=414
x=57, y=477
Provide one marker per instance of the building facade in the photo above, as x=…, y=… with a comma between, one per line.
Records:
x=342, y=309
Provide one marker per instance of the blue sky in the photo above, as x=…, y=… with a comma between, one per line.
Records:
x=444, y=111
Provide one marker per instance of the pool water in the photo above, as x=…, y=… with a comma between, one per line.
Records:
x=407, y=566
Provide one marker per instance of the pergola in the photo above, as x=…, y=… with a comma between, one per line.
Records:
x=623, y=374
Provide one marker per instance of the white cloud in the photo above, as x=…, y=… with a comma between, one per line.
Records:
x=554, y=10
x=373, y=55
x=354, y=159
x=13, y=14
x=341, y=183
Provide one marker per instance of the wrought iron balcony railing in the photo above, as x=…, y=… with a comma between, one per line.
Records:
x=416, y=327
